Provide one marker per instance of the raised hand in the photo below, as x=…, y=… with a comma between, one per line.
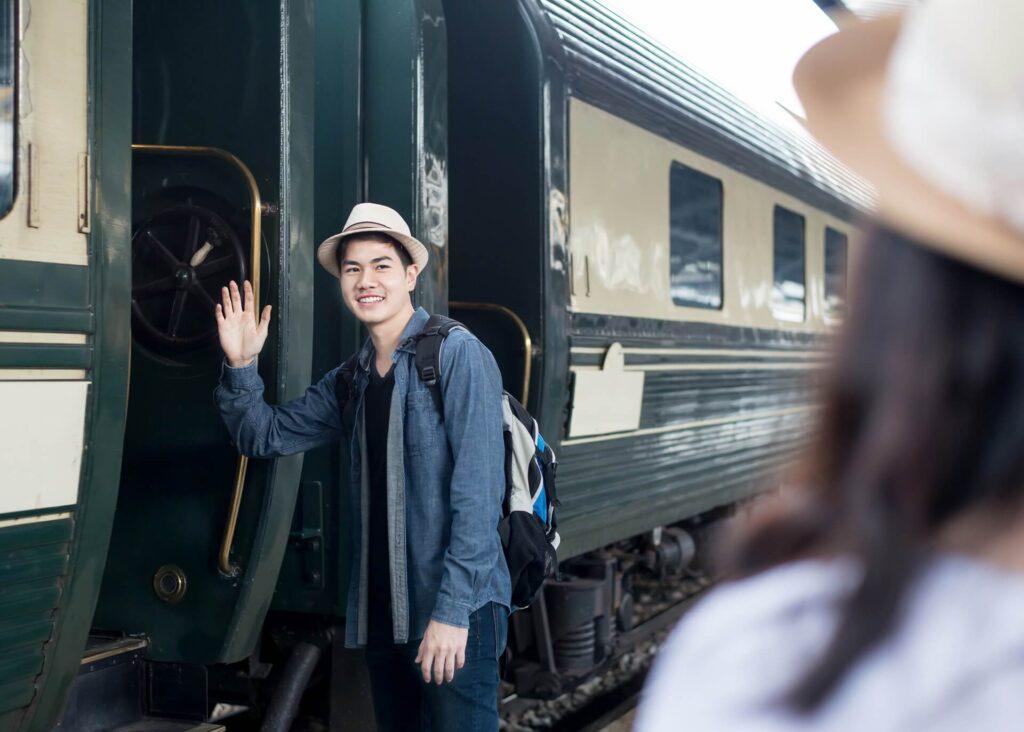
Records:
x=241, y=337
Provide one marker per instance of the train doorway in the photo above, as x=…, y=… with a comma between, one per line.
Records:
x=496, y=229
x=199, y=532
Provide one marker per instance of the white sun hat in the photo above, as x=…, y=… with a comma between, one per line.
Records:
x=372, y=218
x=928, y=106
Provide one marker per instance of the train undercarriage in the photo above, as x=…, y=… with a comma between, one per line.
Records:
x=598, y=607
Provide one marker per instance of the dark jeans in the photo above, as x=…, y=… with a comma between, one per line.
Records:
x=402, y=701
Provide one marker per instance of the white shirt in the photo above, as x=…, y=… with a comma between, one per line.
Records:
x=955, y=660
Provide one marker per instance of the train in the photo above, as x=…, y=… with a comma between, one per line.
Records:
x=656, y=267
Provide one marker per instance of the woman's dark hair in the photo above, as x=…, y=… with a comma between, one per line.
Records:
x=922, y=420
x=403, y=254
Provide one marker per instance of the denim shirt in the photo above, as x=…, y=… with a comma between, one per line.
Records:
x=445, y=478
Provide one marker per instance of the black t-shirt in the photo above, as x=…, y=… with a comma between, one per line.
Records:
x=377, y=409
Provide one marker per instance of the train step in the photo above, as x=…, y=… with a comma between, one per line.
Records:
x=99, y=648
x=118, y=689
x=167, y=725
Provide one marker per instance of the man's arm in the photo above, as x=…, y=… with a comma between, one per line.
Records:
x=260, y=430
x=471, y=388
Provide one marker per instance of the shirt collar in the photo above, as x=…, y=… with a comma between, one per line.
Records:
x=406, y=342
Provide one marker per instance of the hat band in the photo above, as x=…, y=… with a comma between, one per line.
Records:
x=368, y=225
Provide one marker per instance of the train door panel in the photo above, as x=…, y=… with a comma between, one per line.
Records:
x=380, y=127
x=219, y=193
x=61, y=358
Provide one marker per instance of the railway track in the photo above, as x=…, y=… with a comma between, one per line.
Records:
x=614, y=689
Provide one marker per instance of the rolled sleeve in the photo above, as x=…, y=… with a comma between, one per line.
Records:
x=451, y=612
x=471, y=387
x=241, y=377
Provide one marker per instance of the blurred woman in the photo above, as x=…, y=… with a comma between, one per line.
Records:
x=887, y=592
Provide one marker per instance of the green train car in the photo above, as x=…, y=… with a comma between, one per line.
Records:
x=655, y=266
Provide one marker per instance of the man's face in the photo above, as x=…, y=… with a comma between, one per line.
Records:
x=374, y=283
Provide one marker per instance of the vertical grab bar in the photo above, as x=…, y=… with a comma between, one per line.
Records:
x=520, y=325
x=224, y=563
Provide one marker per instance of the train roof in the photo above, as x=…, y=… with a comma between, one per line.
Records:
x=616, y=66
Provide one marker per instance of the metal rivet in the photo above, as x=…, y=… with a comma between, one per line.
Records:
x=170, y=583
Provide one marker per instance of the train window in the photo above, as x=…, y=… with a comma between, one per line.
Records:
x=7, y=95
x=788, y=287
x=695, y=228
x=835, y=272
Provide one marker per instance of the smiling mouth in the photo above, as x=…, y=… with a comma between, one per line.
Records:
x=369, y=299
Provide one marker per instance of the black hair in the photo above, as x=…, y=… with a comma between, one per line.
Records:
x=403, y=254
x=922, y=420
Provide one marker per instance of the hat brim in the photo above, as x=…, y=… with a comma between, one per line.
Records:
x=326, y=253
x=841, y=84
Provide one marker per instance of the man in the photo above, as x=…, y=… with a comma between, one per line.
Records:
x=430, y=588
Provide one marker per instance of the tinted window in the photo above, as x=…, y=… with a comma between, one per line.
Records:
x=788, y=285
x=695, y=225
x=7, y=79
x=835, y=272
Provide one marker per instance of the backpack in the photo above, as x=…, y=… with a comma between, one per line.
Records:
x=528, y=528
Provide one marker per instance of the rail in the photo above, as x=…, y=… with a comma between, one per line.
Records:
x=224, y=563
x=520, y=326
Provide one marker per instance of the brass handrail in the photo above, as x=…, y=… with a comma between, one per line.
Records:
x=224, y=558
x=527, y=342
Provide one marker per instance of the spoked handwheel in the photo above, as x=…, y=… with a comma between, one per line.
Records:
x=180, y=259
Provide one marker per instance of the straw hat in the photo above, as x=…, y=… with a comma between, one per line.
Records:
x=372, y=218
x=928, y=106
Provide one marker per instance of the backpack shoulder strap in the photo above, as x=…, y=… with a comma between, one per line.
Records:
x=345, y=378
x=343, y=390
x=428, y=354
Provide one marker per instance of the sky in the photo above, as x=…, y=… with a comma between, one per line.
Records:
x=748, y=46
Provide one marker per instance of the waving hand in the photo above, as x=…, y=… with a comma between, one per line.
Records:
x=241, y=337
